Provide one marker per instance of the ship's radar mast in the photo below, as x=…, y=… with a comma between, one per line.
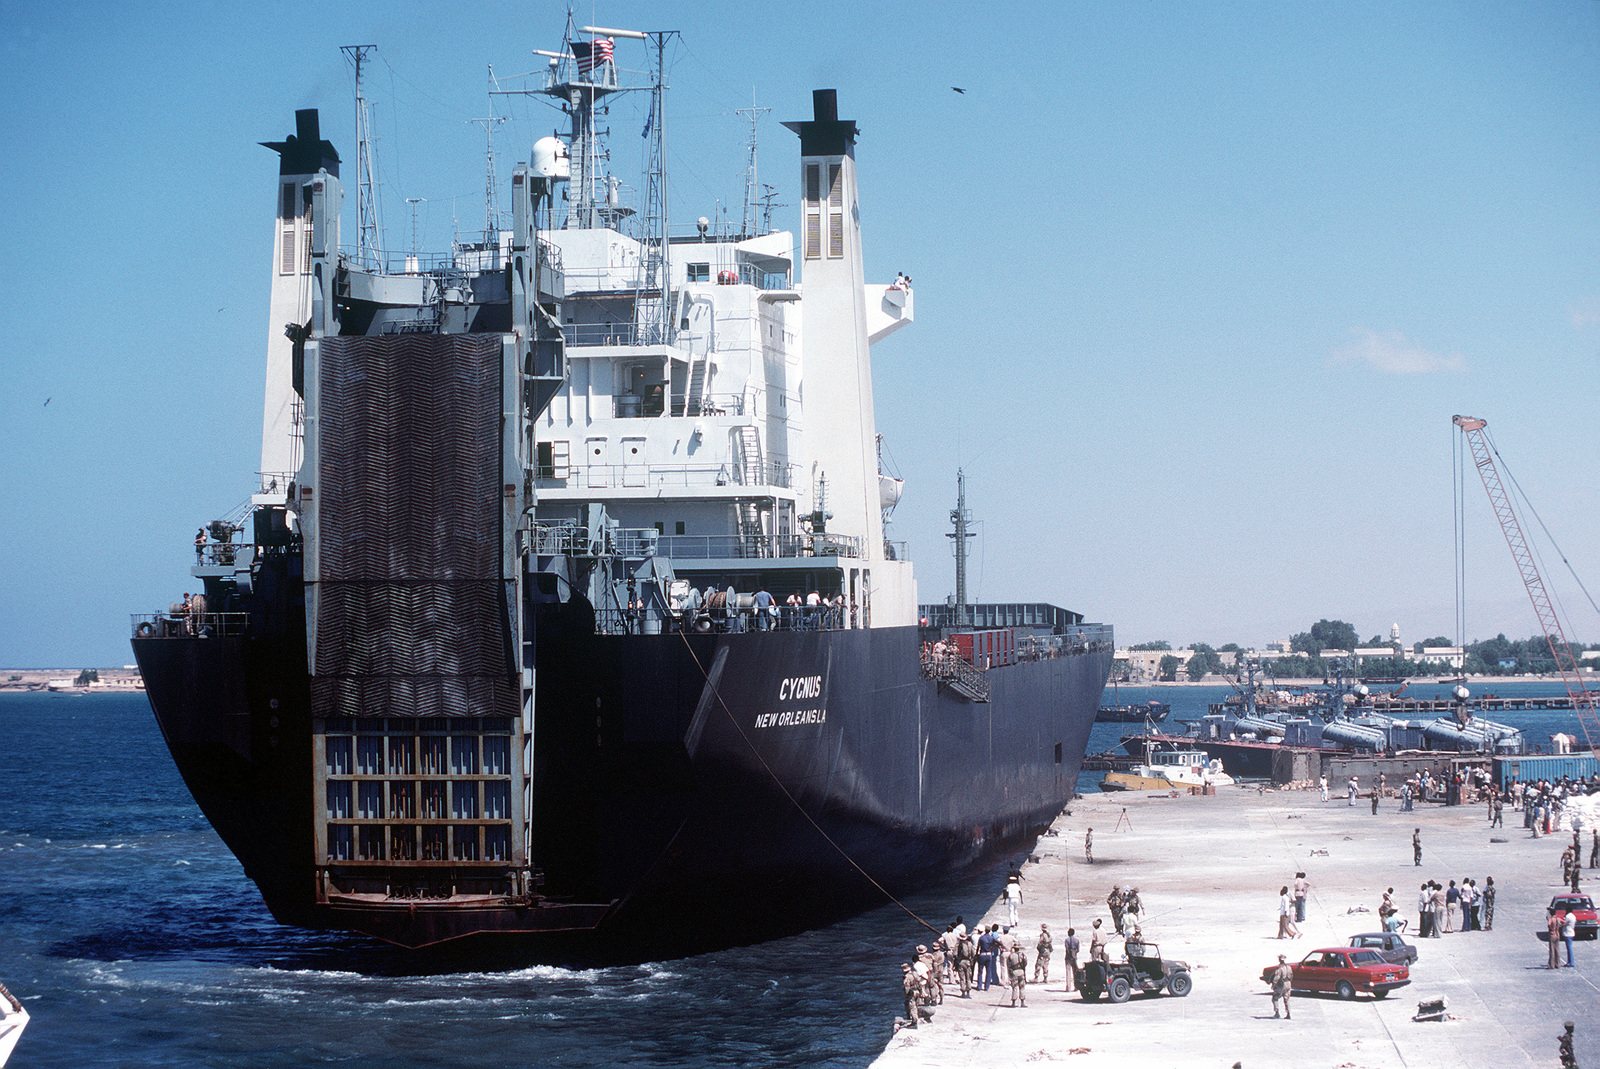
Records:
x=369, y=249
x=961, y=517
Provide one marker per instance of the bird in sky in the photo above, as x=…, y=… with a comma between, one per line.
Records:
x=47, y=401
x=958, y=89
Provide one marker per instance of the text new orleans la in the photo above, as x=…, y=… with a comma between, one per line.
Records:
x=799, y=687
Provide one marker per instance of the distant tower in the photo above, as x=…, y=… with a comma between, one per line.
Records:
x=1394, y=633
x=840, y=430
x=308, y=174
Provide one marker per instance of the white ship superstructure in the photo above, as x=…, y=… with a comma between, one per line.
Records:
x=743, y=434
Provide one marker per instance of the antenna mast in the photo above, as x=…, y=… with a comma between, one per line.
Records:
x=369, y=252
x=961, y=516
x=747, y=221
x=650, y=310
x=414, y=201
x=491, y=205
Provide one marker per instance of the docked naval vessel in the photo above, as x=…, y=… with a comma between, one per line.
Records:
x=563, y=610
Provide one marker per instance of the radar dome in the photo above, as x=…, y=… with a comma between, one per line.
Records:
x=550, y=159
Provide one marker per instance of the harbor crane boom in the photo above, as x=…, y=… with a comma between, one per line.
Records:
x=1583, y=700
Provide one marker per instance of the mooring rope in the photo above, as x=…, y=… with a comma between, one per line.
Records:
x=716, y=692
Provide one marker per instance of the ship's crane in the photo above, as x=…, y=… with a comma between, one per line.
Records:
x=1583, y=699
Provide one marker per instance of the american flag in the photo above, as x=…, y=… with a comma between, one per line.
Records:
x=592, y=54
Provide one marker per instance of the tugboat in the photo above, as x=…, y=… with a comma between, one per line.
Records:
x=561, y=613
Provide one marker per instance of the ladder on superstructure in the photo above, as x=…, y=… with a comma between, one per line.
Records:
x=1583, y=699
x=751, y=472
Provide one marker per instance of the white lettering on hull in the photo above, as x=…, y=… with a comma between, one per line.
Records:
x=799, y=688
x=792, y=718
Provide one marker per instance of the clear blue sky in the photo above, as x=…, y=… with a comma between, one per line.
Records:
x=1199, y=286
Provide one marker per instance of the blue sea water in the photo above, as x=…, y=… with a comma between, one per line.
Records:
x=1190, y=702
x=134, y=938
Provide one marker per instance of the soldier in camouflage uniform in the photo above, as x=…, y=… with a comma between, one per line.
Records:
x=966, y=958
x=1017, y=972
x=909, y=984
x=1041, y=964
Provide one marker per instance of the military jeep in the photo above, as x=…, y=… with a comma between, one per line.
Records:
x=1144, y=970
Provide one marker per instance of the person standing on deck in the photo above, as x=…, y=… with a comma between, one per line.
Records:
x=1017, y=974
x=1013, y=896
x=1072, y=946
x=1097, y=943
x=1416, y=847
x=1131, y=908
x=966, y=958
x=1302, y=887
x=986, y=950
x=1088, y=846
x=1282, y=983
x=1114, y=904
x=1286, y=928
x=1488, y=903
x=909, y=987
x=1041, y=964
x=1553, y=928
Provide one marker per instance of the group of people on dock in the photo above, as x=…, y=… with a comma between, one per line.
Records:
x=971, y=959
x=1438, y=907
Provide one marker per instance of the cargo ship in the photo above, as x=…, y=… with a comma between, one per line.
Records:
x=563, y=613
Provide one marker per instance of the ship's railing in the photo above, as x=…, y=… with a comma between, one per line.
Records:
x=721, y=547
x=217, y=554
x=1074, y=642
x=636, y=406
x=582, y=334
x=712, y=404
x=549, y=538
x=952, y=668
x=191, y=625
x=681, y=476
x=275, y=482
x=724, y=620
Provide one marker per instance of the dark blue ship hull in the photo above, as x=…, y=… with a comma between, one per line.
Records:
x=688, y=791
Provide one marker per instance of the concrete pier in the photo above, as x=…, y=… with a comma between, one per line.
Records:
x=1208, y=869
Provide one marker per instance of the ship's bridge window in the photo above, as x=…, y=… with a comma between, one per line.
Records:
x=699, y=272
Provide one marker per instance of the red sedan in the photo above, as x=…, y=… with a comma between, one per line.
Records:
x=1344, y=971
x=1583, y=906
